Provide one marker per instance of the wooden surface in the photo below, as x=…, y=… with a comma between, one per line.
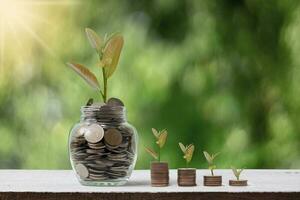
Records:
x=62, y=184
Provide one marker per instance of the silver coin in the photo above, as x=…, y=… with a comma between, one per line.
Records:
x=114, y=102
x=96, y=147
x=93, y=157
x=120, y=156
x=98, y=168
x=98, y=104
x=95, y=177
x=80, y=154
x=80, y=130
x=99, y=171
x=82, y=171
x=93, y=151
x=94, y=133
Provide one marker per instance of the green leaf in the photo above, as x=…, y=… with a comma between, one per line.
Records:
x=182, y=147
x=189, y=153
x=240, y=171
x=88, y=76
x=152, y=152
x=94, y=39
x=162, y=138
x=208, y=157
x=212, y=167
x=111, y=54
x=155, y=133
x=215, y=155
x=235, y=172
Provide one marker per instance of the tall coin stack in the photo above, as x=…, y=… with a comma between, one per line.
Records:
x=103, y=145
x=159, y=174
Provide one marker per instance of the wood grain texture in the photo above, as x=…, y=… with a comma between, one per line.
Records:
x=62, y=184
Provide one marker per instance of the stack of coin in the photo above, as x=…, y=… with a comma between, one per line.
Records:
x=102, y=146
x=159, y=174
x=238, y=182
x=212, y=180
x=186, y=177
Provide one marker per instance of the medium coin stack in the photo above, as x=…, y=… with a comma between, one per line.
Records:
x=238, y=182
x=102, y=147
x=159, y=174
x=212, y=180
x=186, y=177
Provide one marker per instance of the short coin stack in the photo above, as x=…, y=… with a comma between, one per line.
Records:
x=212, y=180
x=238, y=182
x=103, y=147
x=159, y=174
x=186, y=177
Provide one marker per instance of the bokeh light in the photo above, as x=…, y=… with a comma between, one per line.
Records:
x=221, y=75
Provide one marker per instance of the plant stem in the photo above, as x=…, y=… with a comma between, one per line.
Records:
x=105, y=85
x=212, y=172
x=158, y=154
x=104, y=93
x=186, y=164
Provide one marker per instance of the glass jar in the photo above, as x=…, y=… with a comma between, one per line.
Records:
x=103, y=146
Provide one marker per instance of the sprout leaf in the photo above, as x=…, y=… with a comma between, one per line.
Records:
x=182, y=147
x=208, y=157
x=94, y=39
x=152, y=152
x=155, y=133
x=86, y=74
x=215, y=155
x=189, y=153
x=237, y=172
x=111, y=54
x=162, y=138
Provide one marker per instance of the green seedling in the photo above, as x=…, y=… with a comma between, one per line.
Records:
x=188, y=152
x=237, y=172
x=108, y=50
x=210, y=160
x=161, y=138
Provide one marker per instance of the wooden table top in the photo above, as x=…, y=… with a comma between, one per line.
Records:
x=62, y=184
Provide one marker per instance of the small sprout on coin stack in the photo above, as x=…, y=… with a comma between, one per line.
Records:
x=211, y=180
x=238, y=181
x=186, y=176
x=210, y=159
x=237, y=172
x=159, y=170
x=188, y=151
x=161, y=138
x=108, y=50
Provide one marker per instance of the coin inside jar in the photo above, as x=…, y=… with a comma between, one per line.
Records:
x=113, y=137
x=94, y=133
x=114, y=102
x=80, y=130
x=98, y=104
x=82, y=171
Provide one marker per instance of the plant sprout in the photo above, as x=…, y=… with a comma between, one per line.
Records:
x=210, y=160
x=161, y=138
x=108, y=49
x=187, y=151
x=237, y=172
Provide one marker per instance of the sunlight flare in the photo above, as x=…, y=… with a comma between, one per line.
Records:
x=19, y=18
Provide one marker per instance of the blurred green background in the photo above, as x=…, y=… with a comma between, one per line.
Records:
x=223, y=75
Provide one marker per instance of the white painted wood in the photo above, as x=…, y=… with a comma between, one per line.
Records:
x=65, y=181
